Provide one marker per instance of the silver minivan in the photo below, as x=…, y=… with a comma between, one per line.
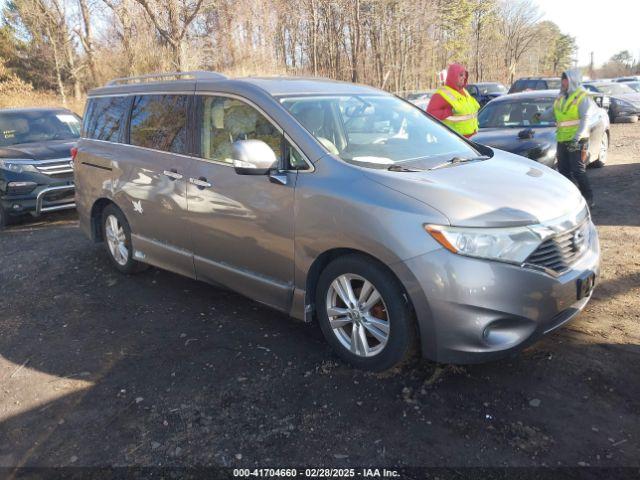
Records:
x=338, y=203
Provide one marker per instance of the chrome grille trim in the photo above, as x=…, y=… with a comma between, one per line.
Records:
x=56, y=166
x=559, y=252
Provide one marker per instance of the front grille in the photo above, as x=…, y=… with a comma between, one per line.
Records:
x=59, y=166
x=60, y=196
x=559, y=252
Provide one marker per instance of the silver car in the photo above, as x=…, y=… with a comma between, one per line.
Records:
x=337, y=203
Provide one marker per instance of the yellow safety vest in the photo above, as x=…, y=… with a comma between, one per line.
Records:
x=465, y=110
x=566, y=111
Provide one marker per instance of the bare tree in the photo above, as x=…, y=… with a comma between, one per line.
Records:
x=85, y=34
x=172, y=19
x=518, y=21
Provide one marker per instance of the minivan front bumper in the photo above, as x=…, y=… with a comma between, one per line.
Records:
x=472, y=310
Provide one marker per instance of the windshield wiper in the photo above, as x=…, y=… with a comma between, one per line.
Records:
x=457, y=160
x=400, y=168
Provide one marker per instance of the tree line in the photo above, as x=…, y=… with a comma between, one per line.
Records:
x=69, y=46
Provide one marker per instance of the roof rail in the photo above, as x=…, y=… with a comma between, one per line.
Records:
x=167, y=77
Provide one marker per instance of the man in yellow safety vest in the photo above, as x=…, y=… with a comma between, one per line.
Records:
x=572, y=109
x=453, y=105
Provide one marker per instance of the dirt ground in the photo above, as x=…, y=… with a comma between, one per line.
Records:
x=98, y=369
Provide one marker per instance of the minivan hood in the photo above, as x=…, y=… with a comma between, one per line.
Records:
x=39, y=150
x=506, y=190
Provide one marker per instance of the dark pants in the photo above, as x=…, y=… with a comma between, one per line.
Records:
x=572, y=163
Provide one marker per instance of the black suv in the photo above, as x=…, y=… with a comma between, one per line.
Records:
x=36, y=168
x=535, y=83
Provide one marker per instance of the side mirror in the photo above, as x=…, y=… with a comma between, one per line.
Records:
x=526, y=133
x=598, y=100
x=253, y=157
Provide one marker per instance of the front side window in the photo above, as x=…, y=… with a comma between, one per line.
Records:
x=104, y=118
x=160, y=122
x=227, y=120
x=376, y=131
x=518, y=114
x=37, y=126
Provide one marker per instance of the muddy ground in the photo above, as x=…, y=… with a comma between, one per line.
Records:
x=97, y=368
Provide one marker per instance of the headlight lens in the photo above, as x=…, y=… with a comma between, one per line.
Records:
x=17, y=165
x=512, y=245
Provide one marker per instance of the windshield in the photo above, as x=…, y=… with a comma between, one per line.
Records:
x=633, y=85
x=535, y=112
x=37, y=126
x=491, y=88
x=376, y=131
x=613, y=88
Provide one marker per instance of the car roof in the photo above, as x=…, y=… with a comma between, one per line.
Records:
x=538, y=78
x=278, y=86
x=274, y=86
x=527, y=95
x=34, y=110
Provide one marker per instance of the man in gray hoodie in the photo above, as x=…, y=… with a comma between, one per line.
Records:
x=572, y=110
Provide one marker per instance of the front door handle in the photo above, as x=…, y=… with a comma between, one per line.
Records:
x=173, y=174
x=201, y=182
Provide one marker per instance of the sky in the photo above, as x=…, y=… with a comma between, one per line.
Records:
x=603, y=27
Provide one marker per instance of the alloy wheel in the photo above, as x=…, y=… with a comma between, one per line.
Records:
x=358, y=315
x=116, y=240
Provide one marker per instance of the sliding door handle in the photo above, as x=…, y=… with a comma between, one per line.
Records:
x=201, y=182
x=172, y=174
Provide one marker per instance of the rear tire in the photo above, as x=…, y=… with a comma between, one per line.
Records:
x=117, y=239
x=372, y=323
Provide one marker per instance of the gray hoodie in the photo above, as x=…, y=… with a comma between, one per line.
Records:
x=586, y=107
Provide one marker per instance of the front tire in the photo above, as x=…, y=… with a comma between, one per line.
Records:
x=364, y=313
x=117, y=238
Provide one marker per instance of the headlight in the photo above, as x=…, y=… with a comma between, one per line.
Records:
x=512, y=245
x=17, y=165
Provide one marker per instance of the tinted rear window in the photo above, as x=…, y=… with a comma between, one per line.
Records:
x=554, y=84
x=160, y=122
x=105, y=118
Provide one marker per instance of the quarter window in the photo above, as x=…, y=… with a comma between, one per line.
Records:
x=105, y=118
x=160, y=122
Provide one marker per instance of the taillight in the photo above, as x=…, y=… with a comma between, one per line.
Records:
x=74, y=153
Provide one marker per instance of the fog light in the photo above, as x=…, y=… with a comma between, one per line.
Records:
x=507, y=332
x=20, y=188
x=17, y=206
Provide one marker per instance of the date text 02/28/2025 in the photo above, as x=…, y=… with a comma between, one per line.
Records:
x=315, y=473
